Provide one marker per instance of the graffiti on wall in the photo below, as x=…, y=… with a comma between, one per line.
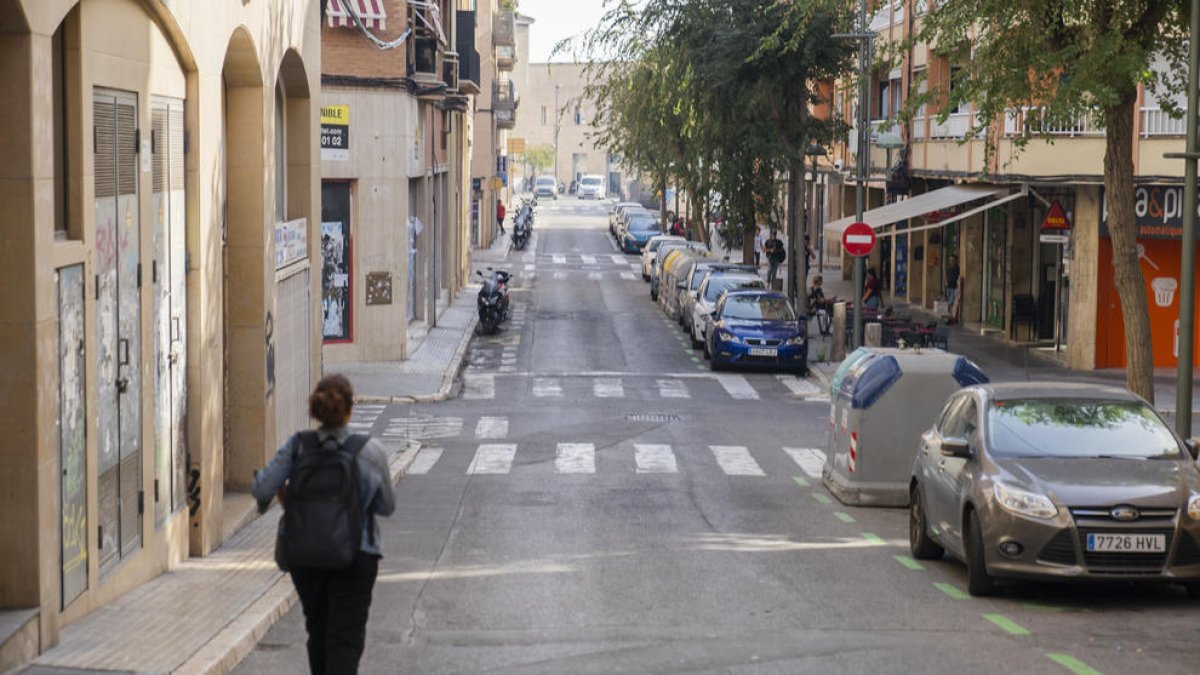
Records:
x=335, y=280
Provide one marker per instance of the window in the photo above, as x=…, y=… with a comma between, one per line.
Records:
x=883, y=100
x=920, y=7
x=578, y=116
x=963, y=420
x=957, y=75
x=544, y=116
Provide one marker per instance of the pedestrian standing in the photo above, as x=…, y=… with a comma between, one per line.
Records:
x=871, y=298
x=952, y=275
x=760, y=239
x=336, y=598
x=776, y=254
x=500, y=213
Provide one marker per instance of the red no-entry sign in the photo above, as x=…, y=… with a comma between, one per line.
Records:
x=859, y=239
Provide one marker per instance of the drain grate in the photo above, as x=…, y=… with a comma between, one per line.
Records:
x=655, y=418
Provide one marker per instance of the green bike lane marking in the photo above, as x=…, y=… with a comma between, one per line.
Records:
x=951, y=590
x=844, y=517
x=1073, y=664
x=800, y=480
x=1006, y=624
x=821, y=498
x=874, y=539
x=909, y=563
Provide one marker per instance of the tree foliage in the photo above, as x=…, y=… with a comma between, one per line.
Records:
x=1064, y=59
x=713, y=95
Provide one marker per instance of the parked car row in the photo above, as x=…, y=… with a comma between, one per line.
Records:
x=725, y=308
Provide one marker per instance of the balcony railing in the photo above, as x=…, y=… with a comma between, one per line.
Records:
x=881, y=19
x=504, y=29
x=955, y=126
x=881, y=127
x=918, y=128
x=504, y=104
x=506, y=57
x=1157, y=122
x=1081, y=126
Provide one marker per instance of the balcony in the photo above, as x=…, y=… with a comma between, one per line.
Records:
x=955, y=127
x=504, y=104
x=1156, y=122
x=504, y=29
x=1080, y=126
x=468, y=55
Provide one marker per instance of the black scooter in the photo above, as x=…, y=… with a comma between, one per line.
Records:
x=492, y=301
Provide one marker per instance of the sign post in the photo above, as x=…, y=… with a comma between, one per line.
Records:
x=1056, y=229
x=858, y=240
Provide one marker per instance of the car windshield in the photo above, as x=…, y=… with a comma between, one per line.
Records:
x=721, y=284
x=758, y=308
x=1084, y=428
x=698, y=278
x=643, y=224
x=590, y=182
x=542, y=182
x=654, y=245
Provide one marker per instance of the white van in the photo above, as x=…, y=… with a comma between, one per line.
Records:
x=591, y=187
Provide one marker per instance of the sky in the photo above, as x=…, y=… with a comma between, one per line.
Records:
x=556, y=20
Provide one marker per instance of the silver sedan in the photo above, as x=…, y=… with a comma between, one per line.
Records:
x=1056, y=481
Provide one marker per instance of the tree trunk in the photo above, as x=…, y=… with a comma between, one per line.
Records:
x=1131, y=286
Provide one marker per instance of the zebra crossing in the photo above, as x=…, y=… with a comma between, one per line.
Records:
x=479, y=385
x=579, y=458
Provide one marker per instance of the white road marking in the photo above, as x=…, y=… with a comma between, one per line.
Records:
x=422, y=428
x=800, y=386
x=560, y=275
x=575, y=458
x=491, y=427
x=479, y=386
x=559, y=259
x=545, y=387
x=588, y=259
x=424, y=461
x=493, y=459
x=811, y=460
x=673, y=389
x=628, y=275
x=737, y=386
x=654, y=459
x=618, y=259
x=735, y=460
x=608, y=387
x=595, y=276
x=530, y=268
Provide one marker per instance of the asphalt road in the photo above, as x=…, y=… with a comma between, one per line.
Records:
x=595, y=501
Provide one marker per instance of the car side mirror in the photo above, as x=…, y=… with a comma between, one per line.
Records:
x=716, y=316
x=1192, y=448
x=681, y=285
x=956, y=447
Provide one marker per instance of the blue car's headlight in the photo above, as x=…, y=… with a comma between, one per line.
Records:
x=726, y=336
x=796, y=340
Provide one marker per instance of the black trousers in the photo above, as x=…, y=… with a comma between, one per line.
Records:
x=336, y=604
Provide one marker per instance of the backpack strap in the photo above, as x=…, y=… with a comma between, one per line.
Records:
x=355, y=443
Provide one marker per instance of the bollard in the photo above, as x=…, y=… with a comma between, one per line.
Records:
x=837, y=350
x=874, y=335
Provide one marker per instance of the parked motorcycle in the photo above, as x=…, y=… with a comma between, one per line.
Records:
x=492, y=301
x=522, y=226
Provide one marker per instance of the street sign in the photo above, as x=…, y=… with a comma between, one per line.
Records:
x=1053, y=238
x=516, y=146
x=1056, y=218
x=859, y=239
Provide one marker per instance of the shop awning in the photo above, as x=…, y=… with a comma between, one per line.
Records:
x=370, y=12
x=914, y=207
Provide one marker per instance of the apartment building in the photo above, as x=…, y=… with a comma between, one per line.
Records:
x=496, y=113
x=161, y=191
x=1027, y=228
x=397, y=77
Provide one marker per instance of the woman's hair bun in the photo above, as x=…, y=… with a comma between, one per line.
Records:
x=332, y=400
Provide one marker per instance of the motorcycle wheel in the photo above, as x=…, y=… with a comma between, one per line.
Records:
x=488, y=323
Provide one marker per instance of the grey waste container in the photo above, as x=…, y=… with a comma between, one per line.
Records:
x=881, y=401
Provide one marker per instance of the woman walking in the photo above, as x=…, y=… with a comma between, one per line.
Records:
x=336, y=601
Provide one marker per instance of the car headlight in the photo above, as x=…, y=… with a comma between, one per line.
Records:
x=728, y=337
x=1023, y=502
x=1194, y=507
x=796, y=340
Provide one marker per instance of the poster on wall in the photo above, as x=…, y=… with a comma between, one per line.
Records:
x=335, y=133
x=335, y=281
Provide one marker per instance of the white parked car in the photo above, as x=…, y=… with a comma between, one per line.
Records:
x=710, y=291
x=591, y=187
x=650, y=253
x=545, y=186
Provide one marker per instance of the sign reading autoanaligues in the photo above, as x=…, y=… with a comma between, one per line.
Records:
x=335, y=132
x=1157, y=212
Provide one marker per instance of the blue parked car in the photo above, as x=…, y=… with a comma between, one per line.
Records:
x=757, y=329
x=638, y=232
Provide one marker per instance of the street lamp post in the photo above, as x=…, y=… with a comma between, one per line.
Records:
x=866, y=48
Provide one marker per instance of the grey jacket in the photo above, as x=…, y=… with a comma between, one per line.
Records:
x=377, y=495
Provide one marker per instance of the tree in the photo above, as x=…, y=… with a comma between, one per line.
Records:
x=540, y=157
x=1070, y=58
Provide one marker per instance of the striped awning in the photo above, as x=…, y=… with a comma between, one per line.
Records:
x=370, y=12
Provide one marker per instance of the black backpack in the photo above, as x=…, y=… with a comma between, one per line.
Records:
x=322, y=514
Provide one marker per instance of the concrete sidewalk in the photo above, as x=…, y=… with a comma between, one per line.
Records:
x=200, y=618
x=428, y=374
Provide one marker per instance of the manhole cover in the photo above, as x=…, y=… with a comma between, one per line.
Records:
x=656, y=418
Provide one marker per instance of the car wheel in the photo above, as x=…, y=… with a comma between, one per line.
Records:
x=979, y=583
x=922, y=546
x=1193, y=591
